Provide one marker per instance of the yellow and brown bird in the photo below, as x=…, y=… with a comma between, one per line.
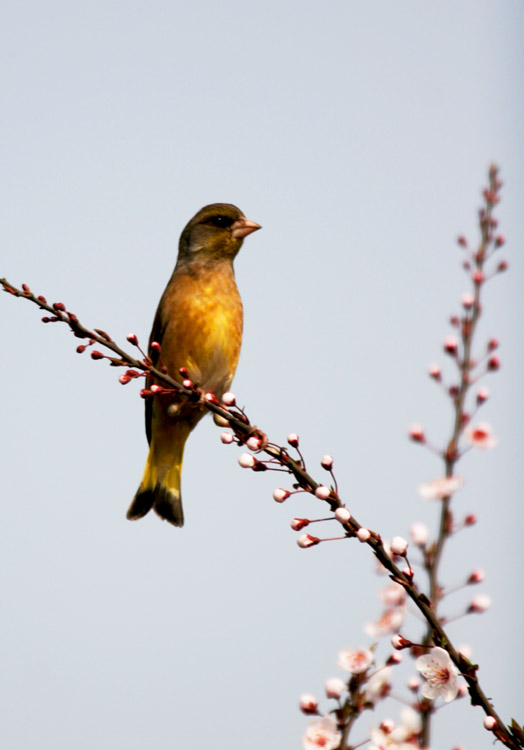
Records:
x=198, y=325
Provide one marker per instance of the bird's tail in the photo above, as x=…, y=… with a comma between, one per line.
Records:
x=160, y=485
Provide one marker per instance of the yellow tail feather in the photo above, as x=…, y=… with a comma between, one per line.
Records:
x=160, y=485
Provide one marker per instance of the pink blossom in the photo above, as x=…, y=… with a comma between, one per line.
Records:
x=327, y=462
x=279, y=495
x=322, y=492
x=306, y=540
x=379, y=685
x=392, y=595
x=480, y=436
x=490, y=722
x=354, y=660
x=480, y=603
x=363, y=534
x=434, y=371
x=308, y=704
x=419, y=533
x=322, y=733
x=227, y=438
x=482, y=394
x=440, y=674
x=440, y=488
x=450, y=345
x=299, y=523
x=389, y=622
x=399, y=546
x=416, y=433
x=342, y=515
x=468, y=300
x=477, y=576
x=335, y=687
x=399, y=642
x=246, y=460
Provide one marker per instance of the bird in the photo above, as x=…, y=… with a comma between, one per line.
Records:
x=198, y=325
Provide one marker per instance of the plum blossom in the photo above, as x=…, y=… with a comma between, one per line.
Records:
x=440, y=674
x=322, y=733
x=439, y=488
x=481, y=436
x=389, y=622
x=378, y=685
x=355, y=660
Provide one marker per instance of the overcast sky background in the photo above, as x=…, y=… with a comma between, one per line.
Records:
x=359, y=135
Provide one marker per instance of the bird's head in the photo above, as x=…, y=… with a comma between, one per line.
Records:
x=215, y=233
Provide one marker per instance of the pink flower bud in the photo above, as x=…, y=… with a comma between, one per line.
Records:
x=493, y=344
x=482, y=395
x=363, y=534
x=416, y=433
x=493, y=363
x=145, y=393
x=292, y=439
x=479, y=604
x=155, y=347
x=279, y=495
x=308, y=704
x=434, y=371
x=490, y=722
x=342, y=515
x=59, y=306
x=399, y=642
x=322, y=492
x=187, y=383
x=413, y=684
x=41, y=298
x=477, y=277
x=327, y=462
x=462, y=241
x=462, y=691
x=477, y=576
x=124, y=379
x=394, y=658
x=156, y=389
x=470, y=520
x=299, y=523
x=399, y=546
x=468, y=300
x=387, y=726
x=502, y=266
x=454, y=321
x=306, y=540
x=335, y=687
x=227, y=438
x=132, y=338
x=408, y=572
x=247, y=461
x=253, y=443
x=450, y=345
x=80, y=349
x=212, y=399
x=184, y=372
x=500, y=240
x=97, y=355
x=229, y=399
x=419, y=533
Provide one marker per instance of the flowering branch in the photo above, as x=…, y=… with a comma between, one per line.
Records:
x=243, y=432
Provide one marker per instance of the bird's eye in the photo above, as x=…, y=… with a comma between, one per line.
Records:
x=221, y=221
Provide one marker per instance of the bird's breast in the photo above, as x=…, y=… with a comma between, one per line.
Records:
x=203, y=319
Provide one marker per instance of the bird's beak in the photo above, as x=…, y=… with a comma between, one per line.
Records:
x=242, y=227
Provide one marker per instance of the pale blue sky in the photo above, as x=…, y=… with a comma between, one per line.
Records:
x=359, y=136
